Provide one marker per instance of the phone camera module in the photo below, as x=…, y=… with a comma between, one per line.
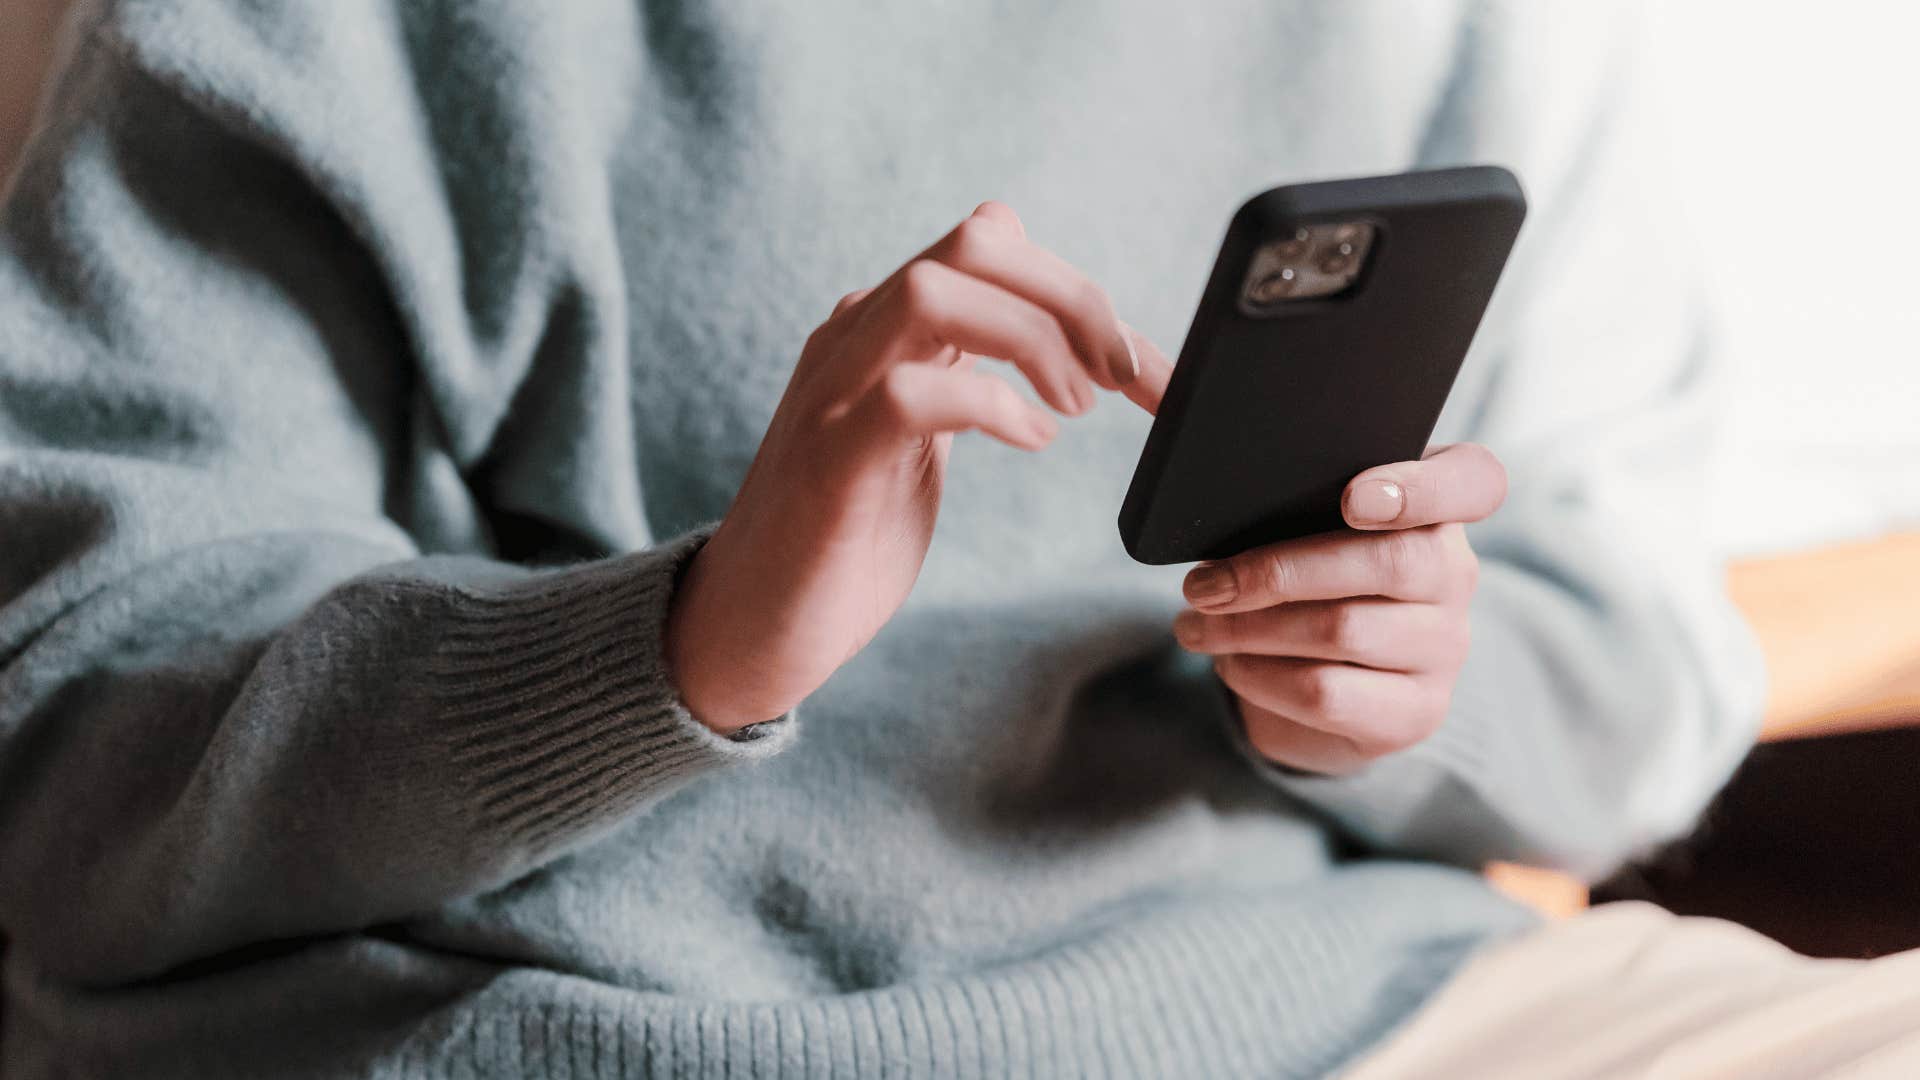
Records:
x=1312, y=261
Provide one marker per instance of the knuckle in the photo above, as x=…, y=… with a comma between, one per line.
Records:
x=920, y=286
x=1433, y=541
x=1392, y=559
x=1324, y=693
x=822, y=337
x=1261, y=577
x=1201, y=634
x=1042, y=330
x=1344, y=628
x=971, y=237
x=1407, y=559
x=895, y=391
x=1226, y=631
x=1040, y=323
x=1090, y=302
x=1267, y=735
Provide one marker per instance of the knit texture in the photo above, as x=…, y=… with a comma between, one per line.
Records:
x=369, y=371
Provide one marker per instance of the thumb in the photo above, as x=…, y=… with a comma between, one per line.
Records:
x=1450, y=485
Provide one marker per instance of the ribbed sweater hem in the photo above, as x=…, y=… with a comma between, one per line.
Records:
x=1257, y=986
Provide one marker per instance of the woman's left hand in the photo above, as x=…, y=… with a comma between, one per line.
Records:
x=1344, y=647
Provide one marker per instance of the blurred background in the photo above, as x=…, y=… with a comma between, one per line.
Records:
x=1797, y=143
x=1796, y=147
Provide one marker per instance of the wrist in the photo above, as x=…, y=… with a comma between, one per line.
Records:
x=699, y=661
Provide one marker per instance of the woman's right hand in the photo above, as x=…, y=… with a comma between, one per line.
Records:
x=831, y=525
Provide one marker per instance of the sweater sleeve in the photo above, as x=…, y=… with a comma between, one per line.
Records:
x=1611, y=687
x=243, y=340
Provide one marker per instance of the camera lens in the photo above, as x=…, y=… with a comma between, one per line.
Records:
x=1275, y=286
x=1294, y=246
x=1339, y=262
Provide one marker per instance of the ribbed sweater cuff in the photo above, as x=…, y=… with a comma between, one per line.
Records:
x=557, y=695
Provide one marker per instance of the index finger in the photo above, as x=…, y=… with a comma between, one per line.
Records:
x=1450, y=485
x=1155, y=372
x=991, y=245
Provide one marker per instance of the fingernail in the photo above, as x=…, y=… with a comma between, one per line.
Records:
x=1375, y=502
x=1125, y=368
x=1082, y=396
x=1186, y=627
x=1210, y=584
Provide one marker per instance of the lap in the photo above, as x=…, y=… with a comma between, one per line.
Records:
x=1631, y=990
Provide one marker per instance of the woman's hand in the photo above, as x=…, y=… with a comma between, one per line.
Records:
x=831, y=525
x=1341, y=648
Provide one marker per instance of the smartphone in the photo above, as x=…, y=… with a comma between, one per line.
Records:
x=1329, y=335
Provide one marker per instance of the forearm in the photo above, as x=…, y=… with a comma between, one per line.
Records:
x=235, y=744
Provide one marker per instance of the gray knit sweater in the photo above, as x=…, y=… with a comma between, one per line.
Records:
x=368, y=369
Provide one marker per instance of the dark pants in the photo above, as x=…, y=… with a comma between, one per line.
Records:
x=1815, y=842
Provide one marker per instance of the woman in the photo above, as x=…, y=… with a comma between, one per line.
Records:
x=447, y=631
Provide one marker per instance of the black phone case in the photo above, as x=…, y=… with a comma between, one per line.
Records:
x=1268, y=417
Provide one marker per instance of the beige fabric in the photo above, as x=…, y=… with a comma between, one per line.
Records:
x=1628, y=990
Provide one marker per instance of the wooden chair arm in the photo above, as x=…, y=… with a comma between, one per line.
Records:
x=1840, y=629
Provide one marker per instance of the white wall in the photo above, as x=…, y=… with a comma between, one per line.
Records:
x=1797, y=140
